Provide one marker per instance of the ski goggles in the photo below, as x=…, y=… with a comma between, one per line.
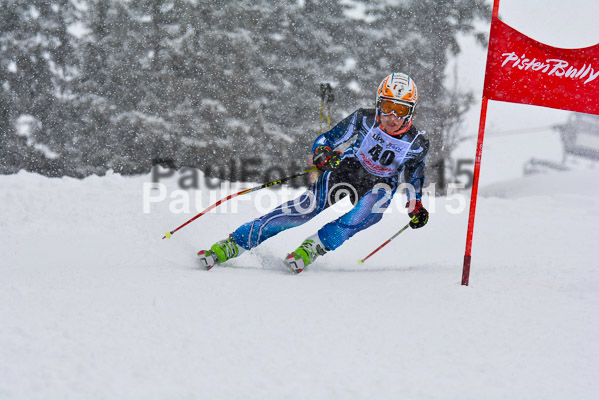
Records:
x=400, y=110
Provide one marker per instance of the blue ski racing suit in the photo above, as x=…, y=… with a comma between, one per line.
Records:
x=369, y=173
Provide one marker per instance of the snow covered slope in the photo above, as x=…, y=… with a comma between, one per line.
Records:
x=95, y=305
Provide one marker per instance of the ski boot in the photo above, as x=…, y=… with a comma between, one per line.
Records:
x=305, y=254
x=219, y=253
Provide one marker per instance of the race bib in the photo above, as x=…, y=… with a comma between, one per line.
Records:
x=381, y=154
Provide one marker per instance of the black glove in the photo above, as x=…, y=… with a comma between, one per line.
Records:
x=326, y=159
x=418, y=214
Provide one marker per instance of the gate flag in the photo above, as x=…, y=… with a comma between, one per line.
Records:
x=566, y=79
x=522, y=70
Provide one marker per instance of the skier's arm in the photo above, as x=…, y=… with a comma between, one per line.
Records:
x=341, y=133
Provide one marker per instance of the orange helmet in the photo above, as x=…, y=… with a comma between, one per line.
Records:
x=397, y=94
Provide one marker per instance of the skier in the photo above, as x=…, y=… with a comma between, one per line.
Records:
x=385, y=144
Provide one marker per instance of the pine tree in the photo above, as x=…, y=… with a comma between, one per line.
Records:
x=208, y=84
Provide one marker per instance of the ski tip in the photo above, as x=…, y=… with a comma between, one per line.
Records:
x=295, y=266
x=207, y=259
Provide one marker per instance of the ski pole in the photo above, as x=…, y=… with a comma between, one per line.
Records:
x=322, y=97
x=384, y=244
x=229, y=197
